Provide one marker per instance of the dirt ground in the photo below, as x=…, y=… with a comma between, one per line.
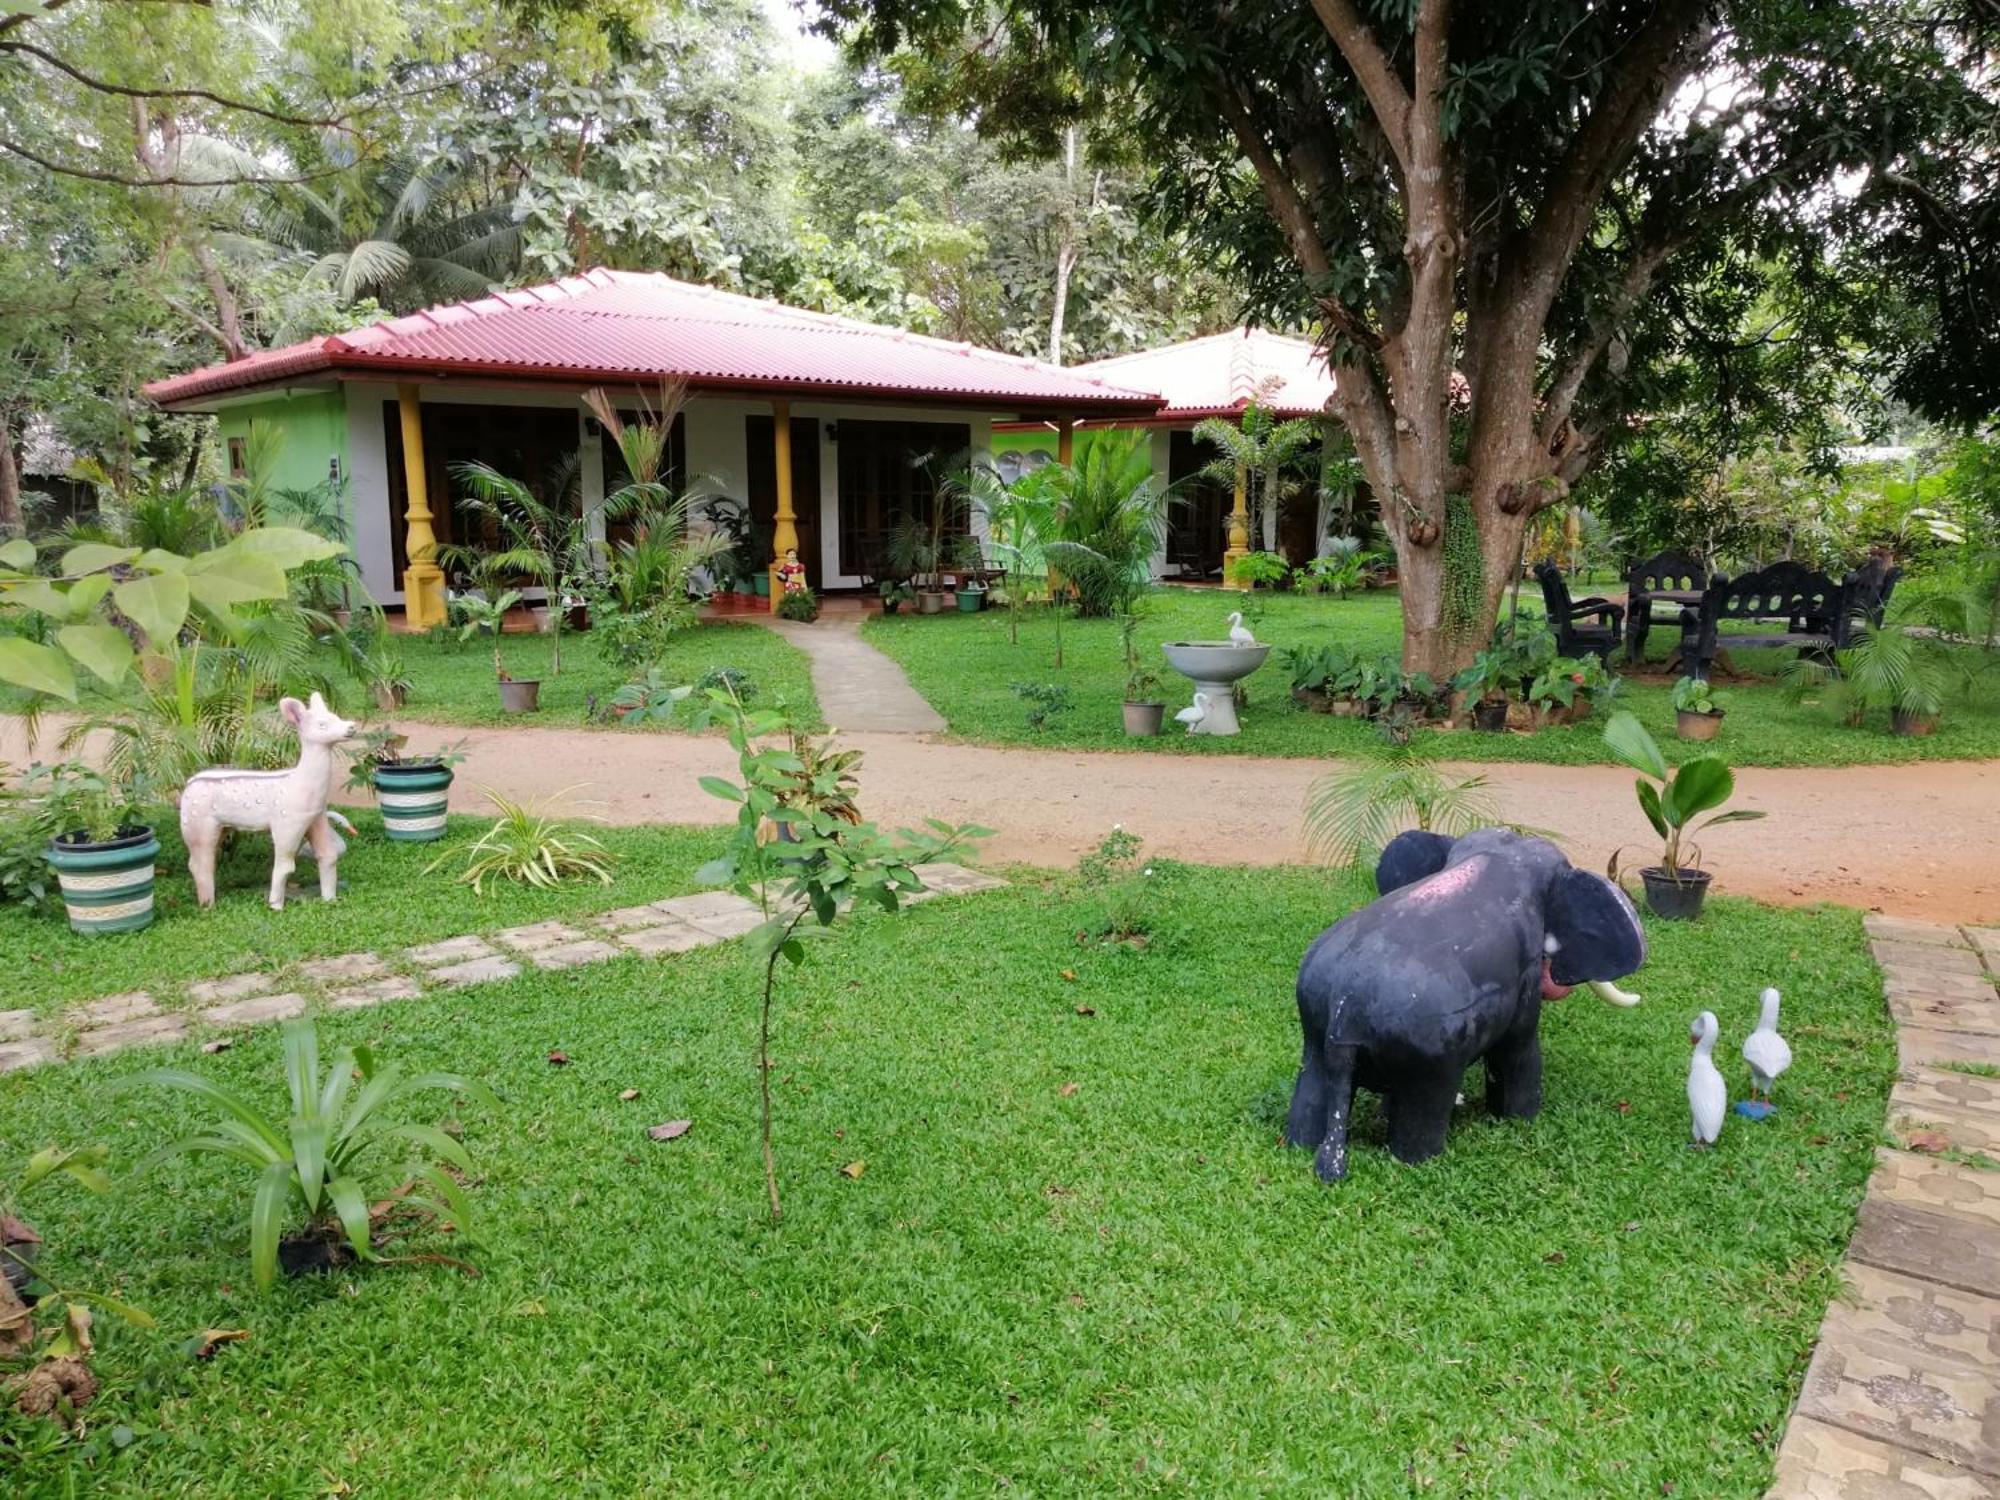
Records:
x=1916, y=840
x=1913, y=840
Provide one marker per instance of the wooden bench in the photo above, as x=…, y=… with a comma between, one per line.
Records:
x=1656, y=591
x=1810, y=609
x=1571, y=620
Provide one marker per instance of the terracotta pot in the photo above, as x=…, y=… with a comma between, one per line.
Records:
x=1912, y=726
x=1690, y=725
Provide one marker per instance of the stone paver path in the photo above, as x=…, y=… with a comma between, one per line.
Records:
x=859, y=688
x=1902, y=1400
x=353, y=981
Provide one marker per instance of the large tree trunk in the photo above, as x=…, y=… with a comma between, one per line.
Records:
x=12, y=522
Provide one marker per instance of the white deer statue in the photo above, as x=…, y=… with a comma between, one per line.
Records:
x=291, y=804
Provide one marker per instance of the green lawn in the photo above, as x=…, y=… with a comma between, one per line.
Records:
x=388, y=900
x=453, y=683
x=966, y=666
x=1122, y=1287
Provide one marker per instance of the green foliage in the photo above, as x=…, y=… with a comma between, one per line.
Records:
x=1113, y=875
x=1352, y=813
x=1692, y=695
x=325, y=1160
x=801, y=851
x=1673, y=799
x=1099, y=520
x=1142, y=685
x=1464, y=570
x=1045, y=703
x=731, y=680
x=1341, y=571
x=1268, y=569
x=74, y=801
x=799, y=604
x=67, y=1308
x=650, y=699
x=1274, y=458
x=1492, y=675
x=526, y=844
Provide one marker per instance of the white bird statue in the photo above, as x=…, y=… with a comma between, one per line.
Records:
x=1194, y=713
x=1767, y=1053
x=1239, y=633
x=1708, y=1095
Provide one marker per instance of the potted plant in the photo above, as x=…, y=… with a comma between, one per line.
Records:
x=971, y=563
x=1145, y=709
x=895, y=593
x=1560, y=692
x=411, y=790
x=484, y=615
x=1671, y=801
x=801, y=605
x=102, y=854
x=1696, y=716
x=1484, y=682
x=650, y=699
x=387, y=675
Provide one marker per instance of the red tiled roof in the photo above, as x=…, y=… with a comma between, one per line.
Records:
x=1222, y=374
x=630, y=325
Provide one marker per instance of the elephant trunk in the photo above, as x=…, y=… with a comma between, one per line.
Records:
x=1610, y=994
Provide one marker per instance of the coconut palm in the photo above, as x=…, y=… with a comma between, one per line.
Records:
x=398, y=236
x=1105, y=518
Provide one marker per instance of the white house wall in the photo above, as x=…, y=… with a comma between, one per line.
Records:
x=716, y=454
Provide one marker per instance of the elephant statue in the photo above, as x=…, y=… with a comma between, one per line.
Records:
x=1449, y=965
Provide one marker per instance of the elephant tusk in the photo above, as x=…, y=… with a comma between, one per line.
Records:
x=1610, y=994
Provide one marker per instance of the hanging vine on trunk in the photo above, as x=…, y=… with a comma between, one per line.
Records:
x=1464, y=570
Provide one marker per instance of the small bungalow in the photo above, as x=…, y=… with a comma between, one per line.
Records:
x=1218, y=376
x=818, y=423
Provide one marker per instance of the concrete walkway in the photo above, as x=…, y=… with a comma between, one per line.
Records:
x=859, y=688
x=354, y=981
x=1902, y=1401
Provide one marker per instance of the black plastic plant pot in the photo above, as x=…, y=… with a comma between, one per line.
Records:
x=1490, y=717
x=1677, y=898
x=313, y=1252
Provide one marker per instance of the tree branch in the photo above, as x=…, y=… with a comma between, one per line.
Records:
x=1634, y=284
x=91, y=174
x=1288, y=205
x=124, y=91
x=1372, y=70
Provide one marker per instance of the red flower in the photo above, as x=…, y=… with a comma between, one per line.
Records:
x=1576, y=677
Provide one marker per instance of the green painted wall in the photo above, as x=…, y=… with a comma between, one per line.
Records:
x=1044, y=441
x=315, y=429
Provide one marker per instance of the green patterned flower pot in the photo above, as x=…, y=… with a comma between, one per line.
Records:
x=412, y=796
x=107, y=887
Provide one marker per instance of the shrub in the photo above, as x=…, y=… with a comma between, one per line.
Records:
x=1112, y=872
x=527, y=845
x=325, y=1160
x=800, y=605
x=733, y=681
x=1045, y=702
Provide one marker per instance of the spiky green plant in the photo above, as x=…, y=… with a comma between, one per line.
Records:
x=1101, y=519
x=1358, y=809
x=526, y=844
x=326, y=1159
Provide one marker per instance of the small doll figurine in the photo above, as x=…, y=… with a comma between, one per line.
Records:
x=792, y=572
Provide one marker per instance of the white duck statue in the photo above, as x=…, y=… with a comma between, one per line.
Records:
x=1768, y=1055
x=1194, y=713
x=1708, y=1095
x=1239, y=633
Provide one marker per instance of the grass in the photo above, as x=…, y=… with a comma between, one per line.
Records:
x=965, y=666
x=1127, y=1287
x=388, y=901
x=453, y=683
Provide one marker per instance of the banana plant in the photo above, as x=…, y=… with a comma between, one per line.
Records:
x=1673, y=799
x=326, y=1160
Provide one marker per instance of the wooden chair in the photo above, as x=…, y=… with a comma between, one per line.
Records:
x=1809, y=607
x=1671, y=571
x=1571, y=620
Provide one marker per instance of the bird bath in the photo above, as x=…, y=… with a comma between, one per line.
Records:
x=1215, y=667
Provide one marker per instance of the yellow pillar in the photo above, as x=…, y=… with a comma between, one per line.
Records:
x=1239, y=532
x=423, y=580
x=784, y=530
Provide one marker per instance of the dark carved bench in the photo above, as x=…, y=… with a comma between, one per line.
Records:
x=1672, y=572
x=1572, y=621
x=1810, y=609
